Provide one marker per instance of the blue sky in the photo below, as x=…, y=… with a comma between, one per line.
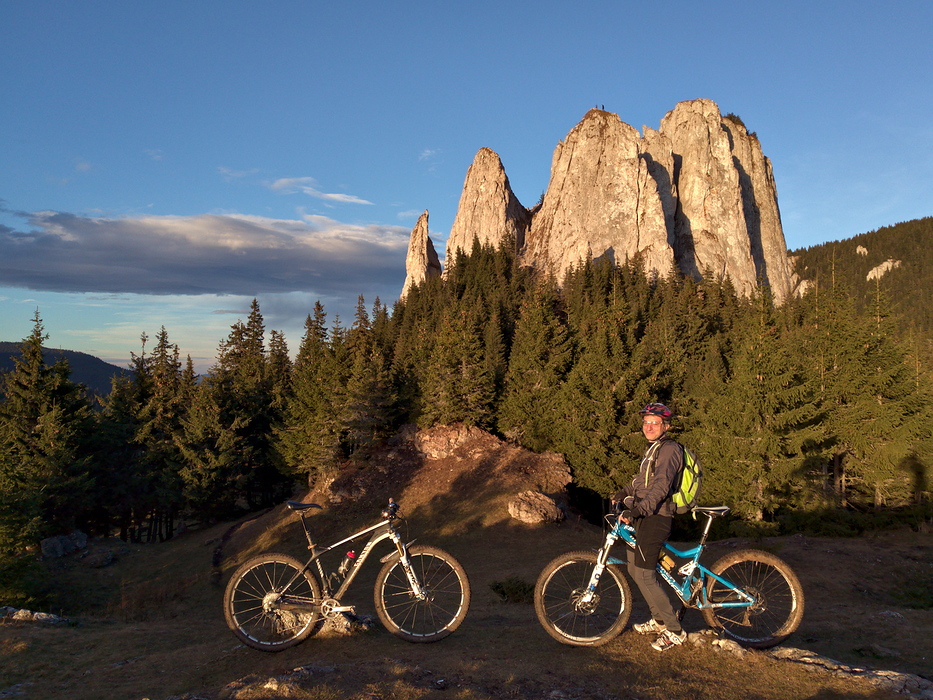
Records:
x=162, y=164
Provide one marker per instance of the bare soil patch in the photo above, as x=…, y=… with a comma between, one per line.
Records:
x=151, y=625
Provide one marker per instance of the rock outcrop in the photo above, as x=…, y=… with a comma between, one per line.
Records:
x=762, y=216
x=489, y=211
x=878, y=271
x=534, y=507
x=710, y=234
x=422, y=262
x=696, y=195
x=601, y=201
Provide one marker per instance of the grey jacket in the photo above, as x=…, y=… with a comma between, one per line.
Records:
x=654, y=484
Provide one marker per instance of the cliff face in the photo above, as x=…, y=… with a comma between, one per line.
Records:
x=601, y=201
x=762, y=216
x=697, y=194
x=489, y=210
x=421, y=262
x=727, y=218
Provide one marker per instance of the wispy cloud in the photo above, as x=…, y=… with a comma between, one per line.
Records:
x=429, y=156
x=207, y=254
x=230, y=174
x=308, y=185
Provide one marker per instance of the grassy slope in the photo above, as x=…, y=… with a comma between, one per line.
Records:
x=151, y=624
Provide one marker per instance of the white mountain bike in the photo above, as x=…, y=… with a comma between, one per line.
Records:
x=273, y=601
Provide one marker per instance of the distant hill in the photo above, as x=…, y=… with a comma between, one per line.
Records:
x=862, y=264
x=85, y=369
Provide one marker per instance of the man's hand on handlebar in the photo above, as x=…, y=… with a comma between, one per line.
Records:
x=624, y=509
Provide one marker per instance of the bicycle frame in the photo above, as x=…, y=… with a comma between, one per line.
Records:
x=378, y=532
x=692, y=590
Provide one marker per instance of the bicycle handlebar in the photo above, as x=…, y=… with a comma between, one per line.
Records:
x=391, y=511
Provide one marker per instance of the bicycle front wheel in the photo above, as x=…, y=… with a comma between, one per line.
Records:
x=568, y=615
x=778, y=599
x=269, y=602
x=445, y=600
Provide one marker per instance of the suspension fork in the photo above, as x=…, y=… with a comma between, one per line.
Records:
x=602, y=558
x=416, y=588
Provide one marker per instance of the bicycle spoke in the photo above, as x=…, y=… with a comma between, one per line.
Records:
x=777, y=598
x=269, y=602
x=444, y=596
x=571, y=616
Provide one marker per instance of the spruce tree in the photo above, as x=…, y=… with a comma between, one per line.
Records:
x=309, y=437
x=875, y=414
x=753, y=429
x=367, y=406
x=120, y=475
x=459, y=387
x=228, y=444
x=592, y=402
x=45, y=426
x=160, y=418
x=278, y=374
x=540, y=358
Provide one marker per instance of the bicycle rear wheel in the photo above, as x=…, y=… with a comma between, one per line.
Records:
x=269, y=602
x=778, y=606
x=445, y=603
x=561, y=611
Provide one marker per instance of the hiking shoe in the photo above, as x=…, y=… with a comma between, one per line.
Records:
x=668, y=640
x=650, y=627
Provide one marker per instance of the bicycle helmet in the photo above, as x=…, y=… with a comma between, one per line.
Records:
x=657, y=409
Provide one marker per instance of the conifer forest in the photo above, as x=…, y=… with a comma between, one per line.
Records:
x=822, y=405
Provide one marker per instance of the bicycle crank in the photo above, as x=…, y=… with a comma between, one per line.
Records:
x=330, y=608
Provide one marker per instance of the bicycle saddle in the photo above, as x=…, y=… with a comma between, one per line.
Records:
x=295, y=505
x=712, y=511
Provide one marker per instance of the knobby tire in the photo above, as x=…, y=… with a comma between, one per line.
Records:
x=446, y=601
x=264, y=610
x=778, y=607
x=558, y=594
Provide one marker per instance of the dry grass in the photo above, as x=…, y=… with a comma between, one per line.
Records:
x=151, y=624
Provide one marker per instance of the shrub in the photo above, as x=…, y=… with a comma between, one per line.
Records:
x=23, y=583
x=514, y=590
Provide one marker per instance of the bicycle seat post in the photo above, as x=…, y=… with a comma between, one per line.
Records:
x=304, y=526
x=709, y=522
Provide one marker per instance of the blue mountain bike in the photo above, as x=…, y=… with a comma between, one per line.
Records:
x=583, y=598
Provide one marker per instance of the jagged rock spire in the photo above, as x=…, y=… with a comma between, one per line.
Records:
x=422, y=262
x=489, y=211
x=602, y=200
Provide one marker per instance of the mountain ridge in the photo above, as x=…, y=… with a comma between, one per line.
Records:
x=94, y=373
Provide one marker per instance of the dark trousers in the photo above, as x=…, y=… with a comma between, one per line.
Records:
x=650, y=535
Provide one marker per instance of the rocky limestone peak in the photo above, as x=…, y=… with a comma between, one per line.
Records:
x=602, y=200
x=762, y=216
x=421, y=262
x=489, y=211
x=697, y=193
x=710, y=233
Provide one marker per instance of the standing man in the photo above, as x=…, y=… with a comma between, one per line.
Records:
x=648, y=505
